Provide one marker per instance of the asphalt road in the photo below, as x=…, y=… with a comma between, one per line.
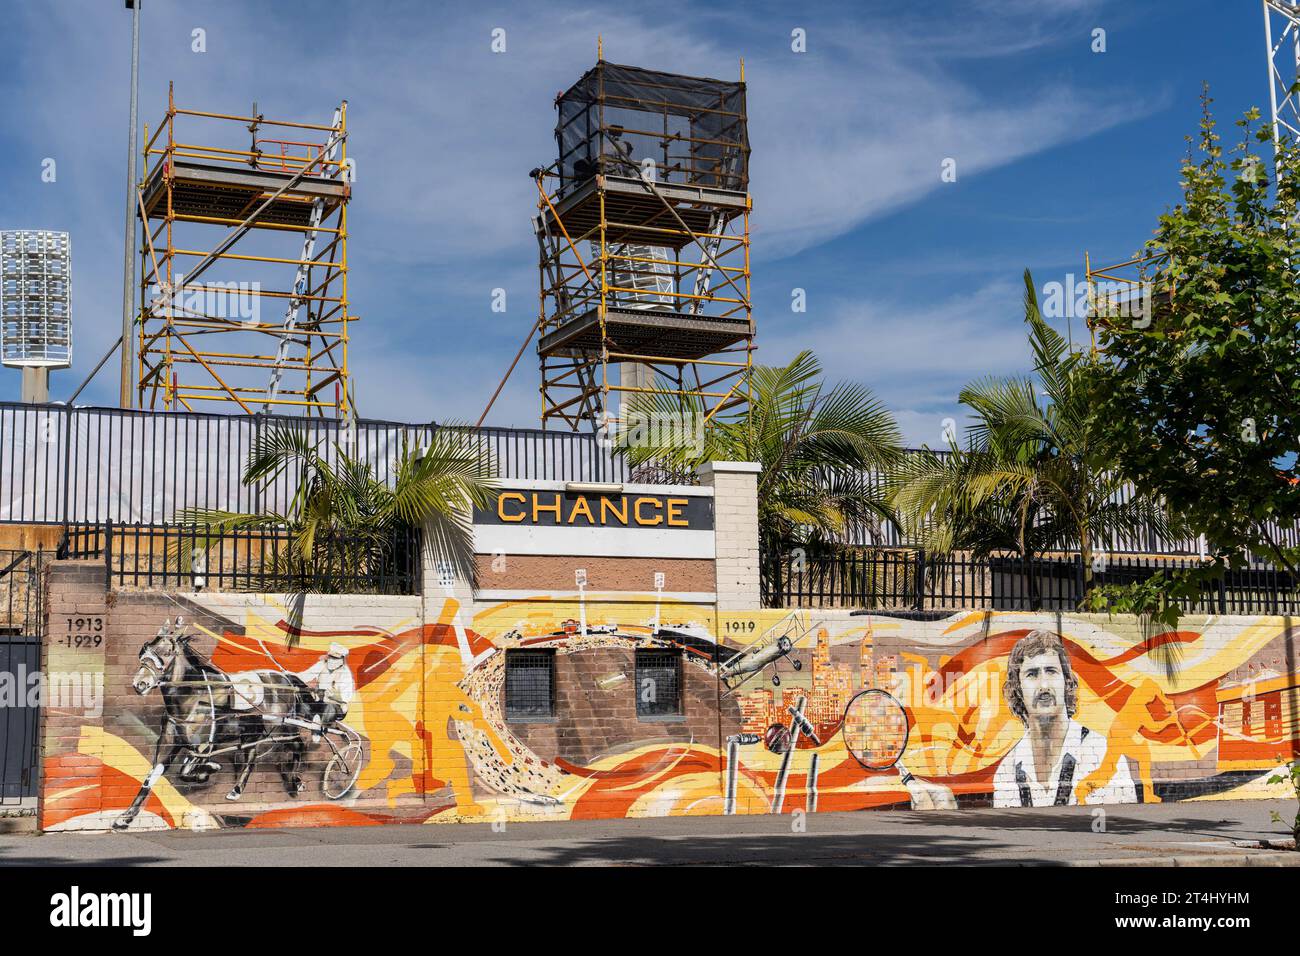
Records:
x=1208, y=833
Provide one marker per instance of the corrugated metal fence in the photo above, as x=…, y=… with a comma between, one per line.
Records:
x=90, y=465
x=61, y=465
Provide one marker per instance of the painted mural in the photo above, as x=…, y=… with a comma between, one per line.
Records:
x=269, y=717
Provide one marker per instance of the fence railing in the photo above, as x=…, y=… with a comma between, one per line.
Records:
x=1145, y=540
x=902, y=580
x=62, y=465
x=192, y=557
x=81, y=542
x=20, y=591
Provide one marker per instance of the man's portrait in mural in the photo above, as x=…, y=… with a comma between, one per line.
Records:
x=1056, y=753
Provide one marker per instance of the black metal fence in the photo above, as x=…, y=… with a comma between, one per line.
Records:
x=1145, y=541
x=20, y=661
x=63, y=465
x=191, y=557
x=895, y=579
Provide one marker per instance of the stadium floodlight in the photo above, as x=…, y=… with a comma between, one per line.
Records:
x=35, y=306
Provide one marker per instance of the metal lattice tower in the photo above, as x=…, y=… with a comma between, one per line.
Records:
x=1282, y=36
x=643, y=238
x=222, y=204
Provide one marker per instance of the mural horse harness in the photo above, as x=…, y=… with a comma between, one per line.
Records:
x=208, y=714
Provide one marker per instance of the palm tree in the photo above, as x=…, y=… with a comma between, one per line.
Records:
x=1032, y=476
x=340, y=515
x=814, y=444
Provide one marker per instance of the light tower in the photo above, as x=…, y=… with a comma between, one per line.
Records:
x=643, y=235
x=36, y=305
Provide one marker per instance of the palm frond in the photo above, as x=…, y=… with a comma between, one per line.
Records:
x=1028, y=476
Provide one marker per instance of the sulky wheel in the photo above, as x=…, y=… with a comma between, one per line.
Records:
x=342, y=770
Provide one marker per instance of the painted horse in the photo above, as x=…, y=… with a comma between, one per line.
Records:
x=206, y=712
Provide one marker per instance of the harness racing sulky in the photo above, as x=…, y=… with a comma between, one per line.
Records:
x=209, y=715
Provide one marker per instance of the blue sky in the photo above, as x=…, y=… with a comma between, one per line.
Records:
x=913, y=284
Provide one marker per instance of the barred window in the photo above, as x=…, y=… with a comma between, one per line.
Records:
x=530, y=684
x=658, y=683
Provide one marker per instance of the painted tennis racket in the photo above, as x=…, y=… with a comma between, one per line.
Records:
x=876, y=731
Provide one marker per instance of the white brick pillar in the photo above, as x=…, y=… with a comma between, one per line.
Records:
x=440, y=582
x=735, y=523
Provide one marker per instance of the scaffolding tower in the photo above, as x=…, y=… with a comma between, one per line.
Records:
x=244, y=285
x=643, y=235
x=1135, y=293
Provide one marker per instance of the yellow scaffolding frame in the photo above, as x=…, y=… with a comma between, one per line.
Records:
x=1125, y=291
x=703, y=353
x=184, y=355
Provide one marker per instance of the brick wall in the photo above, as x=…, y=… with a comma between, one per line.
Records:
x=96, y=760
x=540, y=573
x=1208, y=711
x=77, y=637
x=596, y=708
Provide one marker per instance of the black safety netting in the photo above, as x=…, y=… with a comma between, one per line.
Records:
x=621, y=120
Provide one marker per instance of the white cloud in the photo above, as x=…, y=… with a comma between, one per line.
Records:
x=841, y=141
x=444, y=132
x=915, y=359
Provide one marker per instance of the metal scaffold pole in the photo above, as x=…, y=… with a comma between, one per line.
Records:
x=128, y=276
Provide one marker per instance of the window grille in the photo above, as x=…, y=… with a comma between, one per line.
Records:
x=658, y=683
x=530, y=684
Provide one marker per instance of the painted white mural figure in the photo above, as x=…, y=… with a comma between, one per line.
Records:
x=1057, y=752
x=332, y=687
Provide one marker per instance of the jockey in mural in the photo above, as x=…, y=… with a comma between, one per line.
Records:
x=332, y=686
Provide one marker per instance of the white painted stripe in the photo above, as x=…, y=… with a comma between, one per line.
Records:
x=631, y=597
x=546, y=484
x=594, y=542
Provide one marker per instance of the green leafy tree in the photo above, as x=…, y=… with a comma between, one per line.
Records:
x=816, y=445
x=1198, y=400
x=1292, y=777
x=1031, y=477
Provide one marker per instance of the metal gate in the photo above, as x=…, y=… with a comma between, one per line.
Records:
x=20, y=661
